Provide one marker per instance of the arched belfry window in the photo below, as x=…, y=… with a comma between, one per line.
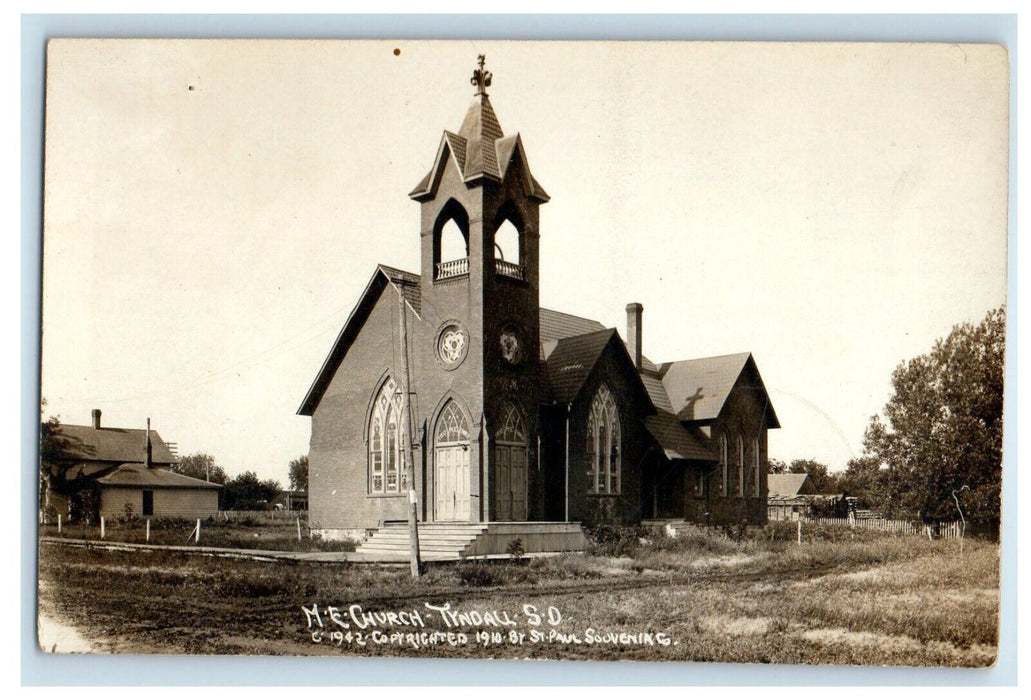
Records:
x=508, y=243
x=507, y=255
x=386, y=440
x=451, y=242
x=604, y=443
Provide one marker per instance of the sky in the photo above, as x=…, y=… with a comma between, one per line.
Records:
x=212, y=211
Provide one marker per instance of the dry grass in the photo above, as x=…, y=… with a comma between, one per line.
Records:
x=278, y=534
x=871, y=601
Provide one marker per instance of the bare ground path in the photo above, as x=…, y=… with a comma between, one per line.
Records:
x=902, y=602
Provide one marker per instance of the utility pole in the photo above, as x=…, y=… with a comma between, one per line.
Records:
x=413, y=501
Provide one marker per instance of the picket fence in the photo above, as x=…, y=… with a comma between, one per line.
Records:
x=945, y=531
x=284, y=515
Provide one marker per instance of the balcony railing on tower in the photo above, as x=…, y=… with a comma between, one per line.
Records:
x=509, y=269
x=452, y=268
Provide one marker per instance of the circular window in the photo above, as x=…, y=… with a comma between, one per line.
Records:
x=510, y=342
x=452, y=344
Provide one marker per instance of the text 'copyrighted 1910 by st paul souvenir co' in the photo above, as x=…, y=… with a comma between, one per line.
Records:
x=444, y=625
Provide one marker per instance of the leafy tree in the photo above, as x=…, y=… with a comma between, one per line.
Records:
x=247, y=492
x=942, y=426
x=867, y=481
x=51, y=447
x=201, y=465
x=299, y=473
x=823, y=480
x=55, y=459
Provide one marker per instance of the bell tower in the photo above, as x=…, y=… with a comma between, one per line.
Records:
x=480, y=266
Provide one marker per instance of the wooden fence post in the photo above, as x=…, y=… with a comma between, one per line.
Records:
x=148, y=529
x=198, y=530
x=58, y=523
x=101, y=527
x=799, y=531
x=298, y=529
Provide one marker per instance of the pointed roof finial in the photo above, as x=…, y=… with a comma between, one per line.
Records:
x=481, y=77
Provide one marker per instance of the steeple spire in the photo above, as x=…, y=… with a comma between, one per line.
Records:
x=481, y=76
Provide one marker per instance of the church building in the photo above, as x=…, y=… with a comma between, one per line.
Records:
x=516, y=414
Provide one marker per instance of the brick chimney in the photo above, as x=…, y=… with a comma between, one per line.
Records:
x=633, y=331
x=96, y=419
x=149, y=457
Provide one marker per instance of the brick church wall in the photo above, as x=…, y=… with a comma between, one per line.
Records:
x=624, y=508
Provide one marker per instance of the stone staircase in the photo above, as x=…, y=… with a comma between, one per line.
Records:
x=437, y=541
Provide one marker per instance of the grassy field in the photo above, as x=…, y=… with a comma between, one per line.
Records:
x=278, y=534
x=867, y=599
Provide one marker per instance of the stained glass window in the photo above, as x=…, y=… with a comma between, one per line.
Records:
x=452, y=426
x=510, y=424
x=756, y=471
x=723, y=465
x=386, y=442
x=604, y=443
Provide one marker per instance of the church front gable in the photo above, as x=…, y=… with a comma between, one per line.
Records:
x=739, y=438
x=608, y=443
x=356, y=472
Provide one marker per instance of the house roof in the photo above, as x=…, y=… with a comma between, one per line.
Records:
x=676, y=440
x=572, y=360
x=139, y=475
x=786, y=485
x=86, y=443
x=697, y=389
x=479, y=149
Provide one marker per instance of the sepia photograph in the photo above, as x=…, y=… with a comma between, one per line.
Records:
x=568, y=350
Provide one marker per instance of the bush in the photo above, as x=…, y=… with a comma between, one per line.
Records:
x=481, y=574
x=515, y=549
x=610, y=541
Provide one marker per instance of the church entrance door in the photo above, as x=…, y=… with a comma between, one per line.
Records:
x=510, y=482
x=451, y=465
x=452, y=483
x=510, y=466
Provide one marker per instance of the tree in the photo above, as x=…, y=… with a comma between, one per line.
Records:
x=823, y=480
x=51, y=449
x=942, y=426
x=201, y=465
x=299, y=473
x=867, y=481
x=247, y=492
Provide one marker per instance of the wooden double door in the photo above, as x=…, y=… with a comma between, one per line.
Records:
x=451, y=483
x=509, y=492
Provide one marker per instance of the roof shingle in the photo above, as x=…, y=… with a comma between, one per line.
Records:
x=697, y=389
x=676, y=441
x=139, y=475
x=572, y=360
x=86, y=443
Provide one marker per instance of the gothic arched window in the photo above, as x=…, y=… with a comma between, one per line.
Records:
x=723, y=464
x=604, y=443
x=740, y=466
x=451, y=242
x=756, y=471
x=508, y=243
x=452, y=427
x=511, y=428
x=386, y=440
